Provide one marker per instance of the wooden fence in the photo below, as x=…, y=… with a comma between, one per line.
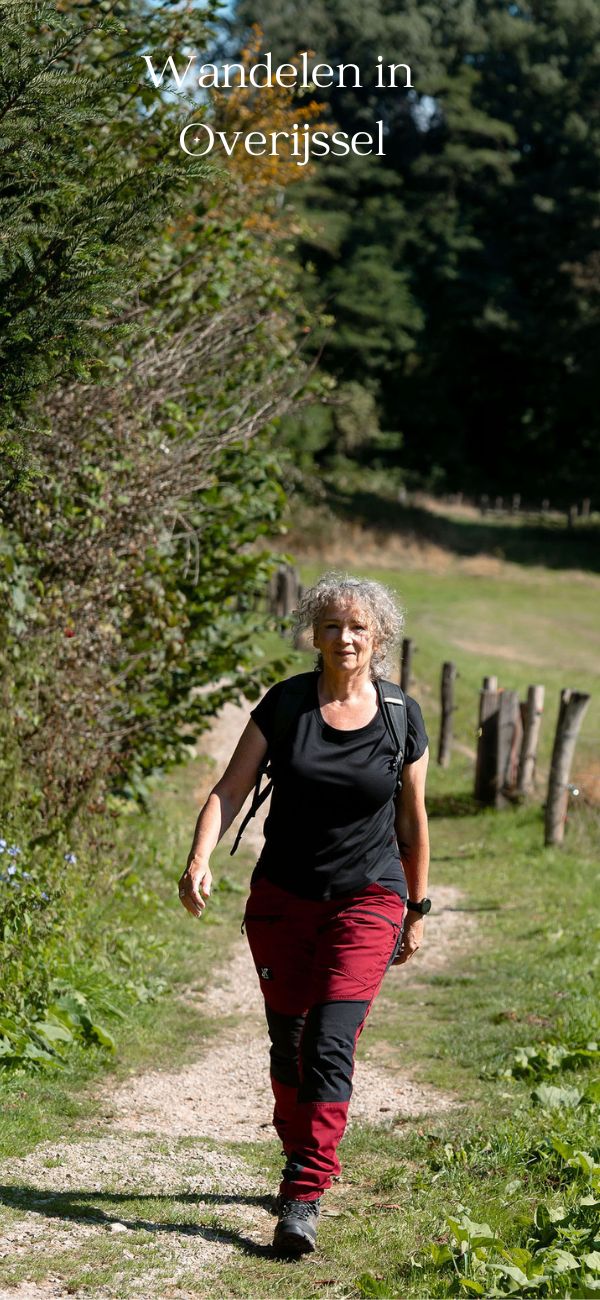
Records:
x=508, y=732
x=508, y=729
x=515, y=504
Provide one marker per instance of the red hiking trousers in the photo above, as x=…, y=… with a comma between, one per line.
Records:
x=320, y=964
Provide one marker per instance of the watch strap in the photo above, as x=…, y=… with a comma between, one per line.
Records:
x=422, y=908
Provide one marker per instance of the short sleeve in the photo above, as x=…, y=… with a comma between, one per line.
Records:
x=263, y=713
x=417, y=739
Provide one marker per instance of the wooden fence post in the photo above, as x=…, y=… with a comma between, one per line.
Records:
x=283, y=591
x=272, y=592
x=571, y=516
x=573, y=705
x=586, y=506
x=447, y=693
x=291, y=588
x=532, y=722
x=280, y=591
x=508, y=741
x=406, y=664
x=485, y=763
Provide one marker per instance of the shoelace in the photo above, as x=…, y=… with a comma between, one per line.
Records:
x=302, y=1209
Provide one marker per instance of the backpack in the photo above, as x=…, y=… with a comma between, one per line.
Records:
x=296, y=692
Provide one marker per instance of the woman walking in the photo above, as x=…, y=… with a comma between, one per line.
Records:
x=339, y=891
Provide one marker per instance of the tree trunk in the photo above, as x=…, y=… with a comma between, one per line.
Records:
x=532, y=722
x=573, y=705
x=447, y=692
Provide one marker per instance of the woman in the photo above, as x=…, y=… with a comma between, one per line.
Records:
x=346, y=854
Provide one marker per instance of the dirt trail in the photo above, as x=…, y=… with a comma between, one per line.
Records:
x=158, y=1130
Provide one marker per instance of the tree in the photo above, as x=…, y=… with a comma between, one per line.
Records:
x=130, y=565
x=74, y=232
x=460, y=269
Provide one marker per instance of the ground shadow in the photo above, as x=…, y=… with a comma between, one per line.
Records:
x=453, y=805
x=547, y=542
x=71, y=1207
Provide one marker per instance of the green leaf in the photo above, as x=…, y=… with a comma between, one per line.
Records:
x=516, y=1274
x=53, y=1033
x=561, y=1261
x=471, y=1285
x=552, y=1098
x=369, y=1285
x=475, y=1234
x=37, y=1053
x=592, y=1260
x=562, y=1148
x=584, y=1161
x=9, y=1027
x=440, y=1255
x=101, y=1036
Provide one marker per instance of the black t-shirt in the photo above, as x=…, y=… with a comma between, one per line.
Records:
x=330, y=828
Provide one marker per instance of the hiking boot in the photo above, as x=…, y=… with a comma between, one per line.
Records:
x=296, y=1231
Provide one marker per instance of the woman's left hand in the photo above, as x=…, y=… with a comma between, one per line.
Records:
x=412, y=938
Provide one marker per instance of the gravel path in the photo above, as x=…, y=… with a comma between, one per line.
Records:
x=160, y=1127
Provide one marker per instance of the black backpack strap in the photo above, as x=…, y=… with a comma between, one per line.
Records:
x=258, y=797
x=293, y=695
x=392, y=702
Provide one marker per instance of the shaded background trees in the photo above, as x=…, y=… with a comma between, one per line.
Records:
x=462, y=269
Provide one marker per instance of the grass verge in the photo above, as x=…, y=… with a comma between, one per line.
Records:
x=499, y=1195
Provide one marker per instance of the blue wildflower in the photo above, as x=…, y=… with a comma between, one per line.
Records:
x=70, y=858
x=11, y=870
x=45, y=896
x=26, y=875
x=14, y=851
x=2, y=845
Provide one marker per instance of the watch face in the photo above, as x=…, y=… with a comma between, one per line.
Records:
x=426, y=906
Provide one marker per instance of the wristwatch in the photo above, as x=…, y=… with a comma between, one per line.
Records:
x=423, y=907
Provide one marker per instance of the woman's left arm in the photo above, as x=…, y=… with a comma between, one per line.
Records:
x=412, y=834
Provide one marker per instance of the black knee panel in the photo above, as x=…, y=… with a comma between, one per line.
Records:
x=285, y=1033
x=328, y=1050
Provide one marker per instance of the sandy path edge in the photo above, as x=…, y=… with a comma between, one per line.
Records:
x=223, y=1096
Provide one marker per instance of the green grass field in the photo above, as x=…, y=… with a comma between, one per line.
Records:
x=499, y=1195
x=527, y=626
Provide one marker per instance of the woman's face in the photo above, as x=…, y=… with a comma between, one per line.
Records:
x=345, y=637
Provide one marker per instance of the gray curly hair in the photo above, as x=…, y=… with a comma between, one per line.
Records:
x=385, y=616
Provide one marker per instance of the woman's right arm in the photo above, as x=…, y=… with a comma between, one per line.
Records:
x=221, y=807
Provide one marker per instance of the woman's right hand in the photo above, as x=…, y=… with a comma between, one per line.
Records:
x=195, y=882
